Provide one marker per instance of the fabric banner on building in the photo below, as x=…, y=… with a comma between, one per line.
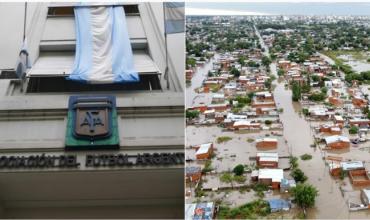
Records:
x=23, y=61
x=103, y=48
x=174, y=17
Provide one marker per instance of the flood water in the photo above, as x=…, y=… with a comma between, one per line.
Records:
x=297, y=131
x=200, y=73
x=357, y=65
x=297, y=140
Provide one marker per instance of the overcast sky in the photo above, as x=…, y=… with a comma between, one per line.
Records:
x=268, y=8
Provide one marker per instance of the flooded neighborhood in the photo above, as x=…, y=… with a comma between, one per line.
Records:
x=277, y=117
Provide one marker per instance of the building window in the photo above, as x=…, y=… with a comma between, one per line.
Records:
x=68, y=11
x=62, y=85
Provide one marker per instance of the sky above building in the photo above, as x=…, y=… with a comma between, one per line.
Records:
x=280, y=8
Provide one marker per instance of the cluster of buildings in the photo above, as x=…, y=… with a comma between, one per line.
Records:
x=340, y=117
x=238, y=99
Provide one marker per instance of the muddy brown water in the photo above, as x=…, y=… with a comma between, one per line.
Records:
x=200, y=73
x=330, y=204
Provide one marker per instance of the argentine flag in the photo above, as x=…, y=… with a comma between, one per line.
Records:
x=174, y=17
x=103, y=49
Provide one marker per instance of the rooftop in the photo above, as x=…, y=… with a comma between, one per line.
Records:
x=275, y=174
x=336, y=138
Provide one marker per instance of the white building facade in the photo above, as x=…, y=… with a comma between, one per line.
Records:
x=141, y=176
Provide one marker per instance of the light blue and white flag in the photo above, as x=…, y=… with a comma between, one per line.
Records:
x=103, y=48
x=174, y=17
x=23, y=61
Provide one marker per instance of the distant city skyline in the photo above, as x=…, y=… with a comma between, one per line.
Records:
x=271, y=8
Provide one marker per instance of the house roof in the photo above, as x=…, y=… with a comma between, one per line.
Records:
x=279, y=204
x=351, y=165
x=203, y=148
x=218, y=95
x=268, y=156
x=236, y=117
x=244, y=122
x=336, y=138
x=267, y=139
x=276, y=175
x=209, y=111
x=264, y=93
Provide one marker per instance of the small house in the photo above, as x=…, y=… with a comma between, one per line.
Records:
x=204, y=151
x=359, y=177
x=193, y=174
x=338, y=119
x=335, y=101
x=246, y=125
x=218, y=98
x=330, y=129
x=267, y=160
x=360, y=122
x=337, y=142
x=218, y=107
x=210, y=114
x=266, y=143
x=271, y=177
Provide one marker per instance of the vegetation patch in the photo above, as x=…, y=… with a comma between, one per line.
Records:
x=250, y=140
x=226, y=178
x=306, y=157
x=208, y=166
x=229, y=178
x=293, y=162
x=192, y=114
x=304, y=195
x=298, y=175
x=268, y=122
x=214, y=88
x=223, y=139
x=251, y=210
x=353, y=130
x=238, y=170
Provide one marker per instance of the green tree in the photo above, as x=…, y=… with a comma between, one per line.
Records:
x=315, y=78
x=296, y=91
x=317, y=96
x=280, y=72
x=293, y=162
x=251, y=63
x=192, y=114
x=353, y=130
x=324, y=90
x=266, y=61
x=190, y=62
x=241, y=60
x=305, y=195
x=268, y=122
x=235, y=72
x=298, y=175
x=238, y=170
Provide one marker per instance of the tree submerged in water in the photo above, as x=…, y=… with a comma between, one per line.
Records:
x=305, y=195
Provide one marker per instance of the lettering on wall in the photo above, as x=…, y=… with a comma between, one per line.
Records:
x=91, y=160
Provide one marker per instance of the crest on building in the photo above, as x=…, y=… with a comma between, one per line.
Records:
x=92, y=123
